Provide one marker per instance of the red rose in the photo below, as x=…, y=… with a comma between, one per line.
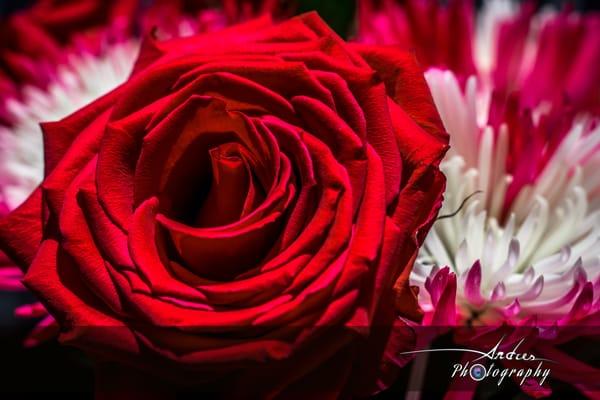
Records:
x=243, y=213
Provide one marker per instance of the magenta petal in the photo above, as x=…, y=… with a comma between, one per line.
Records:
x=45, y=330
x=473, y=285
x=499, y=292
x=534, y=389
x=435, y=284
x=513, y=309
x=549, y=332
x=445, y=309
x=568, y=297
x=583, y=304
x=35, y=310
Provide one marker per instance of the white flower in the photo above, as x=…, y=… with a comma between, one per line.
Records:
x=538, y=255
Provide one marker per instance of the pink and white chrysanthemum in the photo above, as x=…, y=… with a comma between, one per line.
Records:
x=525, y=155
x=537, y=255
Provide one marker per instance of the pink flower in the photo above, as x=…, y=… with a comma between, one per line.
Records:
x=521, y=102
x=524, y=134
x=526, y=245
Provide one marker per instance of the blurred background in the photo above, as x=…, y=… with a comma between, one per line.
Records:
x=339, y=14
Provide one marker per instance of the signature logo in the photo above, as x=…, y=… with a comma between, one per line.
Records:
x=489, y=364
